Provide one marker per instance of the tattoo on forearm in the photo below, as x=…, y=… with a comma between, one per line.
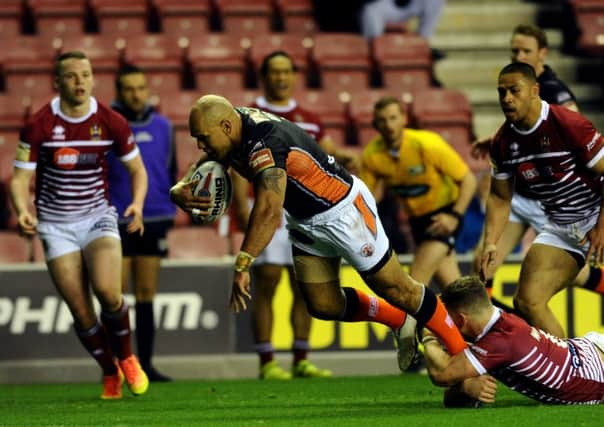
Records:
x=270, y=179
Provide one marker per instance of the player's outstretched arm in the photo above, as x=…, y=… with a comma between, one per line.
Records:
x=446, y=370
x=139, y=185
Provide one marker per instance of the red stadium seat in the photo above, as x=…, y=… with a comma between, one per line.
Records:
x=440, y=107
x=176, y=106
x=244, y=16
x=183, y=17
x=196, y=243
x=297, y=16
x=591, y=26
x=28, y=64
x=298, y=47
x=342, y=60
x=361, y=112
x=14, y=248
x=329, y=105
x=587, y=5
x=187, y=152
x=218, y=60
x=103, y=50
x=10, y=18
x=13, y=110
x=404, y=61
x=119, y=17
x=162, y=57
x=459, y=138
x=58, y=17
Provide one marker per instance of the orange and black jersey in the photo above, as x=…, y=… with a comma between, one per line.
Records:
x=315, y=181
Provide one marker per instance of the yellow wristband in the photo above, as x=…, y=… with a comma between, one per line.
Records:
x=243, y=262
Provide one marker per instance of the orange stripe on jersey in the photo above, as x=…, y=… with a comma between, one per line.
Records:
x=368, y=216
x=304, y=169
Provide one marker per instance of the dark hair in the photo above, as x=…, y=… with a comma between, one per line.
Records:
x=519, y=67
x=467, y=292
x=67, y=55
x=265, y=61
x=532, y=31
x=386, y=101
x=124, y=71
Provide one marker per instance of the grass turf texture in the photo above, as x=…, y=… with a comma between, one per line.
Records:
x=408, y=400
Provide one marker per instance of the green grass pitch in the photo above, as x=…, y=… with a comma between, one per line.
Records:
x=406, y=400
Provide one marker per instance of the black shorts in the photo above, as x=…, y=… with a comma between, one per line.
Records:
x=420, y=224
x=153, y=242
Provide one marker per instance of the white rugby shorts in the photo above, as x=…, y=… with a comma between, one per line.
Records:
x=351, y=230
x=527, y=211
x=567, y=236
x=62, y=238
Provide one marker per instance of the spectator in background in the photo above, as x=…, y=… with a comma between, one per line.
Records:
x=142, y=254
x=277, y=73
x=432, y=181
x=376, y=14
x=65, y=144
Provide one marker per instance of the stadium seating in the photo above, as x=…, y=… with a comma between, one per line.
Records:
x=297, y=16
x=183, y=17
x=162, y=57
x=244, y=17
x=187, y=152
x=459, y=139
x=58, y=17
x=591, y=26
x=13, y=109
x=404, y=61
x=298, y=47
x=360, y=111
x=342, y=60
x=330, y=106
x=10, y=18
x=118, y=17
x=218, y=60
x=196, y=243
x=14, y=248
x=438, y=107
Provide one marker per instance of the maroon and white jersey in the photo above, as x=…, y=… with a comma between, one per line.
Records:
x=307, y=120
x=68, y=155
x=552, y=161
x=536, y=364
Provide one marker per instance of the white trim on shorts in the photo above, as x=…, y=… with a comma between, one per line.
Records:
x=567, y=236
x=527, y=211
x=279, y=249
x=341, y=231
x=62, y=238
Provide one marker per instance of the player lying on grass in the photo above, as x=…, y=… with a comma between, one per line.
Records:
x=526, y=359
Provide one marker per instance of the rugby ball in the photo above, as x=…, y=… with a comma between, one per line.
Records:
x=214, y=181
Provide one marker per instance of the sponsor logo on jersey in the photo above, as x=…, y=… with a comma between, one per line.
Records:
x=66, y=158
x=96, y=132
x=416, y=170
x=58, y=132
x=261, y=160
x=575, y=360
x=529, y=172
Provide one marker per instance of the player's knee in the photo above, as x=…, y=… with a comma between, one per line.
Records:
x=527, y=305
x=324, y=310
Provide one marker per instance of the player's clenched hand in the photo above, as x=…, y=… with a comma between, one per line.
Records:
x=487, y=261
x=27, y=224
x=240, y=293
x=595, y=237
x=135, y=212
x=480, y=148
x=482, y=388
x=182, y=195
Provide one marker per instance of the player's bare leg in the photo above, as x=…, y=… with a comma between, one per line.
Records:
x=448, y=271
x=427, y=260
x=546, y=270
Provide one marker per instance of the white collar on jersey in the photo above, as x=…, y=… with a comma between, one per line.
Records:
x=265, y=105
x=542, y=117
x=55, y=105
x=494, y=318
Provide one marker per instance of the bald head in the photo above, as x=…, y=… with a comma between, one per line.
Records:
x=212, y=109
x=215, y=124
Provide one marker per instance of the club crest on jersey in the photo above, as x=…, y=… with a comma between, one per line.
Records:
x=367, y=250
x=66, y=158
x=58, y=132
x=95, y=132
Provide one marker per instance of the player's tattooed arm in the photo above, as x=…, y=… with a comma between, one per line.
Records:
x=272, y=179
